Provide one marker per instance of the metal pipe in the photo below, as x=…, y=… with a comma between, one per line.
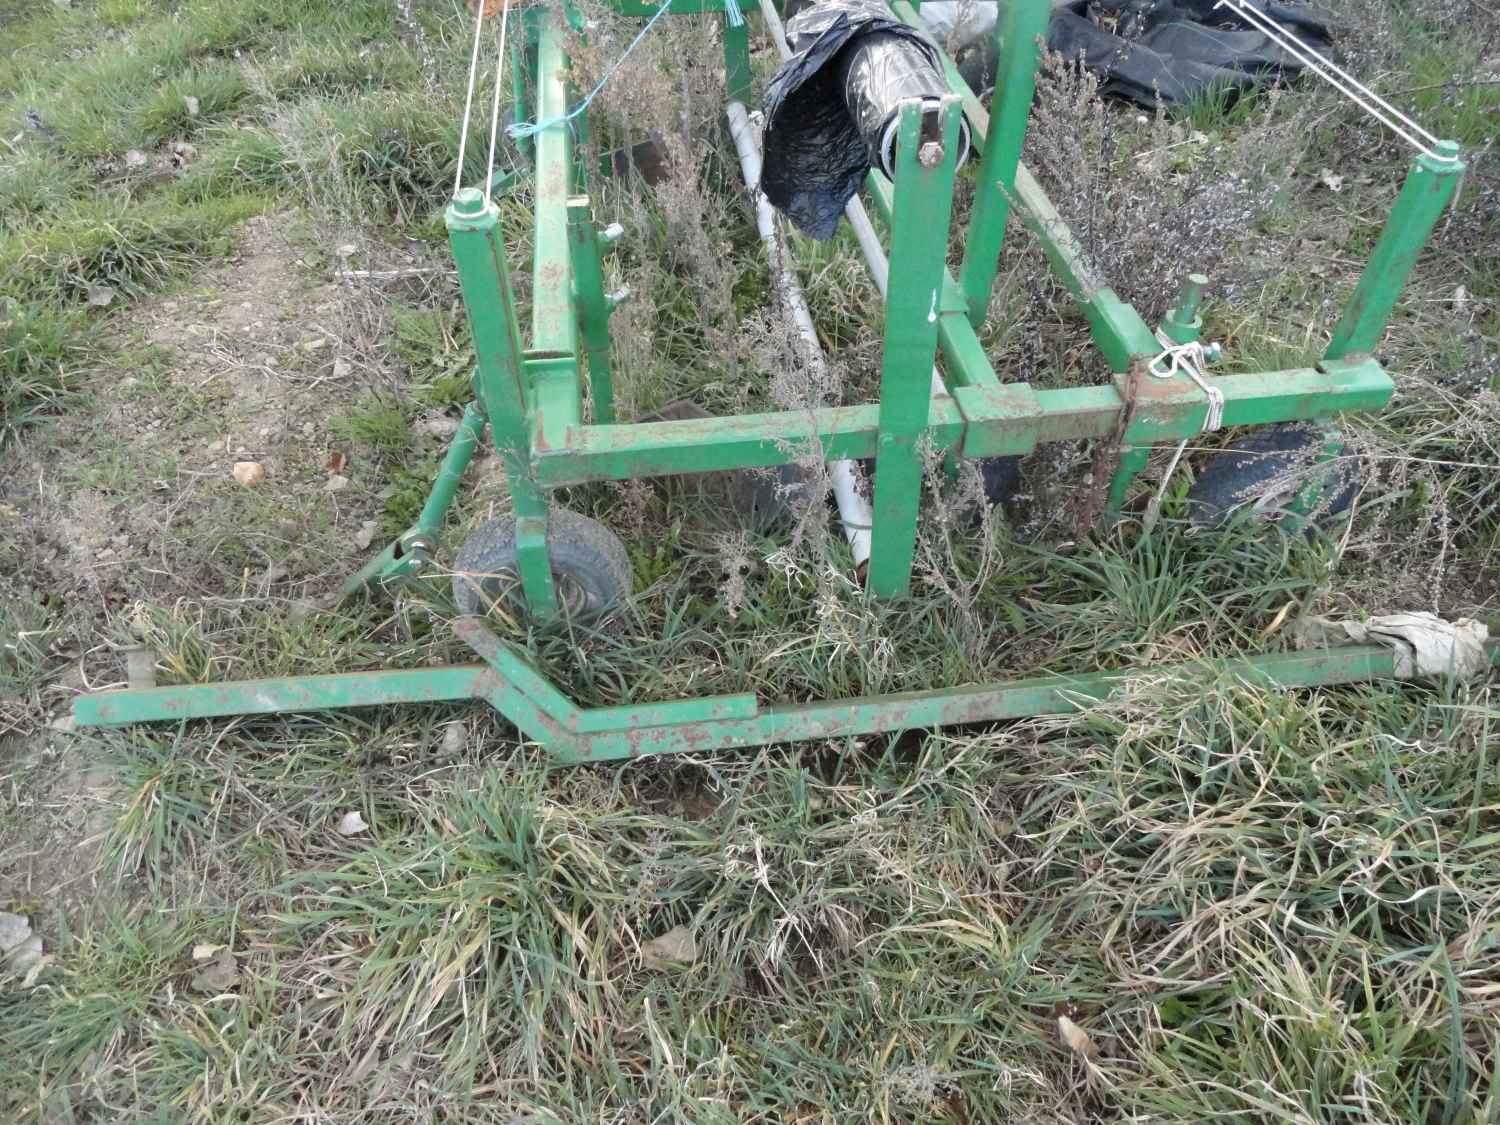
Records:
x=854, y=510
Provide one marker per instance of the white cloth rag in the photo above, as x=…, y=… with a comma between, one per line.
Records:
x=1425, y=644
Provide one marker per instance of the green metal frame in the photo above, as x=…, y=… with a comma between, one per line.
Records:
x=533, y=400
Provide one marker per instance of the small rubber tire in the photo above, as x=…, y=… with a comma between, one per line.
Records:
x=589, y=565
x=1264, y=470
x=1000, y=476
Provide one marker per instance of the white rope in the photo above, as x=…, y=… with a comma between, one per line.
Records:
x=1352, y=88
x=1189, y=359
x=489, y=165
x=1153, y=509
x=463, y=135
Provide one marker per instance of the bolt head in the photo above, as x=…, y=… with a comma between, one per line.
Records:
x=930, y=155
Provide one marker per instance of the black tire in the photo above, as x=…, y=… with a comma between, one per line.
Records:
x=1001, y=477
x=1263, y=471
x=589, y=565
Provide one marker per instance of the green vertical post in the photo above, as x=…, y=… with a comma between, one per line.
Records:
x=523, y=69
x=593, y=308
x=500, y=380
x=1182, y=324
x=1427, y=190
x=1133, y=459
x=737, y=62
x=925, y=150
x=1015, y=85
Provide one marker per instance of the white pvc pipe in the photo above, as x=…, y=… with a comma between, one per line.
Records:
x=854, y=510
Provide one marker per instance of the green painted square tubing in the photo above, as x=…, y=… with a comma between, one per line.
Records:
x=593, y=309
x=1015, y=85
x=737, y=62
x=926, y=146
x=500, y=380
x=1428, y=188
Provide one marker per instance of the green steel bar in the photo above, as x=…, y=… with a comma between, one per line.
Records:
x=1182, y=324
x=1043, y=695
x=451, y=472
x=516, y=671
x=500, y=382
x=649, y=449
x=737, y=84
x=677, y=712
x=282, y=696
x=706, y=724
x=1428, y=188
x=926, y=149
x=1132, y=460
x=1025, y=23
x=1118, y=329
x=554, y=323
x=593, y=310
x=985, y=421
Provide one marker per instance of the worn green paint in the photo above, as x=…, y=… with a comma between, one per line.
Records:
x=1018, y=33
x=919, y=244
x=1428, y=188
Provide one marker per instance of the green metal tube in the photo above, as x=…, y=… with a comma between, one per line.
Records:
x=1428, y=188
x=554, y=320
x=282, y=696
x=593, y=309
x=1117, y=328
x=501, y=379
x=1043, y=695
x=982, y=421
x=1015, y=84
x=451, y=472
x=926, y=150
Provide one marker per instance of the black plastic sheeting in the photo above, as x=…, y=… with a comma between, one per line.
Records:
x=1170, y=51
x=831, y=108
x=1177, y=50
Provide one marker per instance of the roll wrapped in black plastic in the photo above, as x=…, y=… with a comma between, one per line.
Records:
x=831, y=109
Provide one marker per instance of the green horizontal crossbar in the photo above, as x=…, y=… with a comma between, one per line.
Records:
x=984, y=421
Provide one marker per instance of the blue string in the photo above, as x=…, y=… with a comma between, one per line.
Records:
x=523, y=129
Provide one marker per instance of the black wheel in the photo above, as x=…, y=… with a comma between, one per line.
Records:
x=589, y=565
x=1263, y=472
x=1001, y=477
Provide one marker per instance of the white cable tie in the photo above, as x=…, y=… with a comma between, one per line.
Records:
x=1189, y=359
x=1352, y=88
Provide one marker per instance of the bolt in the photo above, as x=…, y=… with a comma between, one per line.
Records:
x=469, y=201
x=930, y=155
x=1214, y=352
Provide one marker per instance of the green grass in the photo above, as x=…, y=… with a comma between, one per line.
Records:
x=1259, y=906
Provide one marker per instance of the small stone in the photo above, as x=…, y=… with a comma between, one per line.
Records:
x=336, y=483
x=351, y=823
x=249, y=473
x=366, y=534
x=14, y=929
x=135, y=158
x=190, y=103
x=347, y=250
